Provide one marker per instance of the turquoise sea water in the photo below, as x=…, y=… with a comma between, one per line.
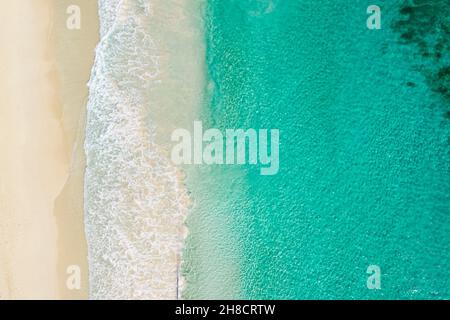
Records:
x=364, y=153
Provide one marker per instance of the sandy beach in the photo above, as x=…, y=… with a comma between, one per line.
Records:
x=44, y=71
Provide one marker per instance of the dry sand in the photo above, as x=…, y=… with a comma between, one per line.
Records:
x=44, y=68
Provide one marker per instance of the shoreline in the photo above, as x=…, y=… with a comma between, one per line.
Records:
x=74, y=58
x=136, y=202
x=43, y=232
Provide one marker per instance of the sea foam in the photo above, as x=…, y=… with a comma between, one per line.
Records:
x=135, y=201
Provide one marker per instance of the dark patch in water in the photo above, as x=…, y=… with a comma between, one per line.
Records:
x=447, y=114
x=425, y=24
x=442, y=82
x=410, y=84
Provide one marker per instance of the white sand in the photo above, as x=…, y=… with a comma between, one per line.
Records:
x=38, y=136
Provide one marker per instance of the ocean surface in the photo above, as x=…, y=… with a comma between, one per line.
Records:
x=364, y=150
x=364, y=153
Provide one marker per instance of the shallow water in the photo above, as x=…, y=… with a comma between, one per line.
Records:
x=363, y=157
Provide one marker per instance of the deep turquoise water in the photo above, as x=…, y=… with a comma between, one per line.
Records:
x=364, y=154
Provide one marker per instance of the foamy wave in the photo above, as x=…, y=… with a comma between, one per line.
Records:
x=135, y=202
